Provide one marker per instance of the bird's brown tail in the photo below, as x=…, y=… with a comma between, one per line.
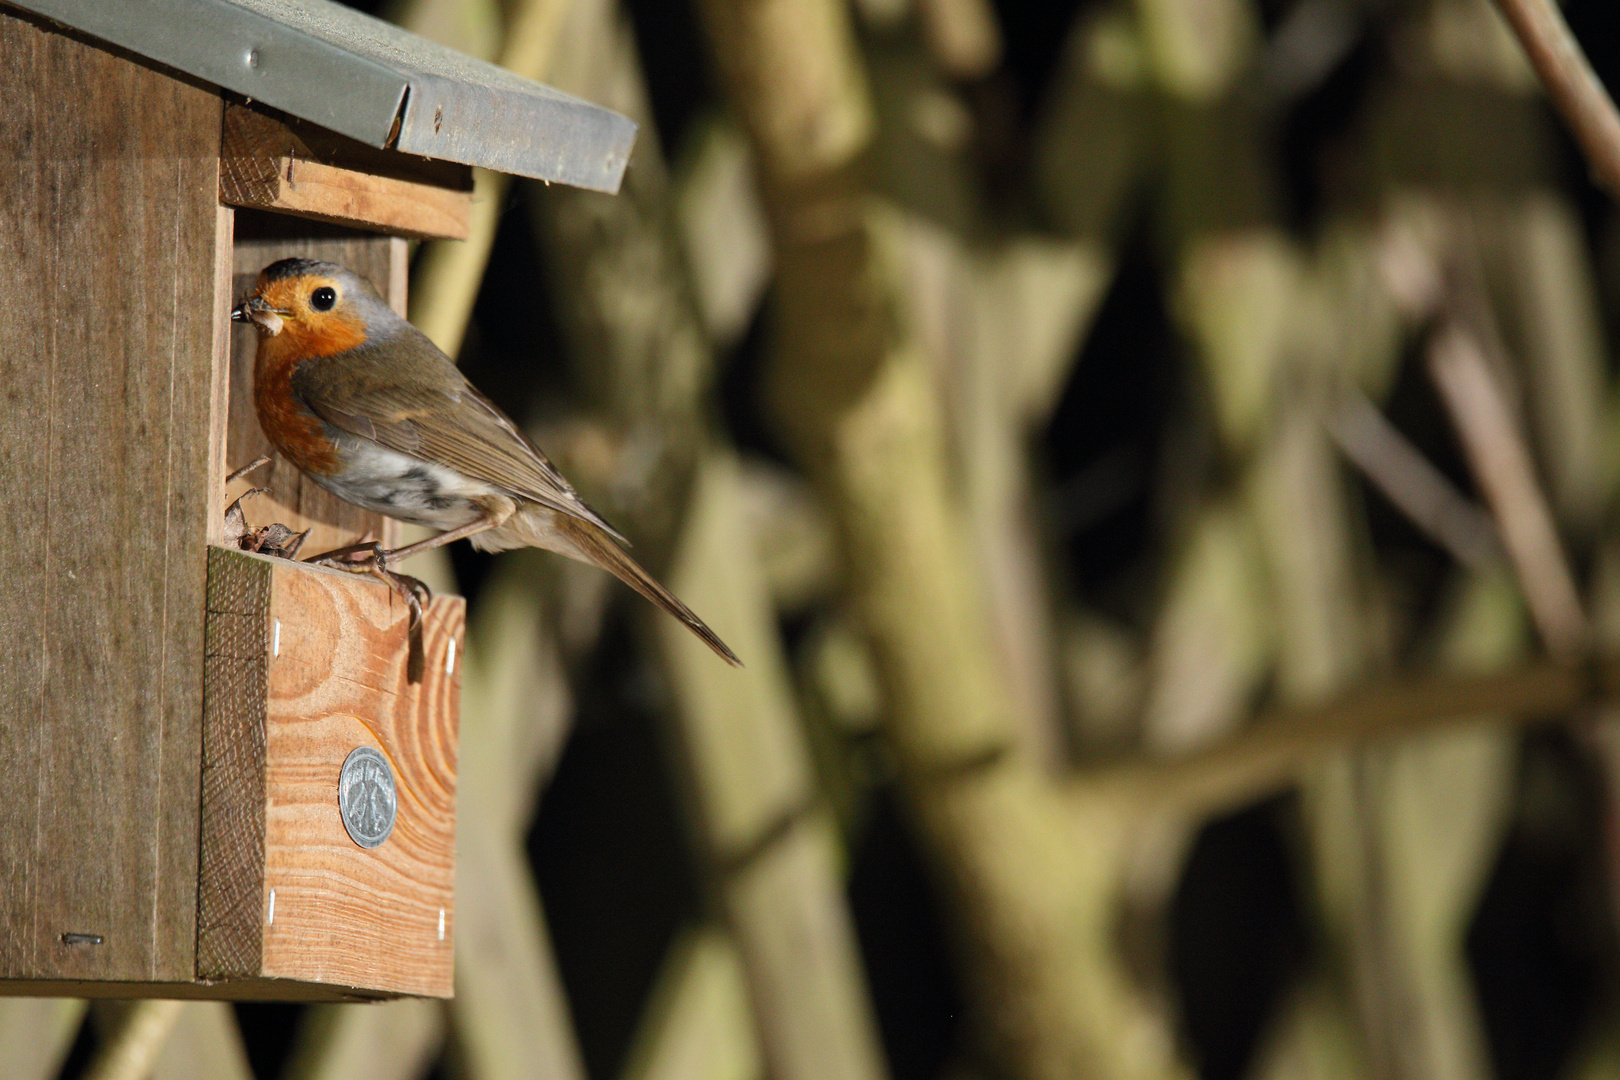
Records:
x=600, y=549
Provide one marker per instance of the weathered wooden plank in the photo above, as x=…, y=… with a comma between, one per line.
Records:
x=280, y=163
x=219, y=383
x=293, y=499
x=107, y=309
x=305, y=665
x=233, y=782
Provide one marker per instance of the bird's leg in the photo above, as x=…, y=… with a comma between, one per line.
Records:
x=472, y=528
x=343, y=558
x=415, y=592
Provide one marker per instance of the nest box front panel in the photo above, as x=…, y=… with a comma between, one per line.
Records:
x=328, y=834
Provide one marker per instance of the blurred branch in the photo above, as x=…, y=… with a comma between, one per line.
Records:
x=132, y=1048
x=449, y=272
x=1501, y=463
x=1213, y=637
x=37, y=1033
x=1573, y=85
x=770, y=845
x=851, y=390
x=1550, y=299
x=962, y=35
x=722, y=228
x=626, y=304
x=697, y=1024
x=395, y=1040
x=510, y=1014
x=1267, y=755
x=1406, y=478
x=204, y=1044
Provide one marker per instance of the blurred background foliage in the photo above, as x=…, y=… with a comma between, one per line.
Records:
x=1034, y=395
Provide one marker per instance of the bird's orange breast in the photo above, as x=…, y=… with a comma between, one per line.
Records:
x=297, y=432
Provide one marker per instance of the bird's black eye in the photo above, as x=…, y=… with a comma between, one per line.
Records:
x=323, y=298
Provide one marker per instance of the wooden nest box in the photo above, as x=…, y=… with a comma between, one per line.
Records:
x=198, y=745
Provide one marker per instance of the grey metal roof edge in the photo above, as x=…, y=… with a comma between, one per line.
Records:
x=557, y=139
x=244, y=52
x=357, y=76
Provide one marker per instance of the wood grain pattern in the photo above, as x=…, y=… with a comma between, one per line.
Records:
x=219, y=386
x=275, y=162
x=304, y=665
x=107, y=236
x=235, y=680
x=293, y=499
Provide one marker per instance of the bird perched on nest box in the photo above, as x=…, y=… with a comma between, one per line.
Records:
x=373, y=411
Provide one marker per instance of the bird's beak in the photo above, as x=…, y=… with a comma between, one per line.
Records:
x=255, y=310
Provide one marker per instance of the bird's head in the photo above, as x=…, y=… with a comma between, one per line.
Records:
x=318, y=308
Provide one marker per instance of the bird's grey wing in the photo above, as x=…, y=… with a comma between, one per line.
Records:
x=451, y=425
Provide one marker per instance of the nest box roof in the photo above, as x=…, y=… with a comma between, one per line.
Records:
x=367, y=79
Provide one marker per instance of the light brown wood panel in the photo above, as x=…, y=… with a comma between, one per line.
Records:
x=107, y=306
x=293, y=499
x=275, y=162
x=305, y=665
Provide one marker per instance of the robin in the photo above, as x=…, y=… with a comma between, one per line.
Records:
x=371, y=410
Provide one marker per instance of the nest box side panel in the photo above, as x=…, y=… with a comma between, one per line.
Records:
x=292, y=498
x=108, y=214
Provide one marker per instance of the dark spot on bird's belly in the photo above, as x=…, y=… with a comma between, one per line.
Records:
x=419, y=495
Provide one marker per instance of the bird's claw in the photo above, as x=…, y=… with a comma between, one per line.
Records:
x=368, y=557
x=416, y=595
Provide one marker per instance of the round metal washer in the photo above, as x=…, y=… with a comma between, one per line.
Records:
x=366, y=798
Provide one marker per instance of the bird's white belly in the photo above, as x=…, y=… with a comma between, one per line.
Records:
x=404, y=487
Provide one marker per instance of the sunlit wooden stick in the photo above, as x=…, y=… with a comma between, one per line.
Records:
x=1416, y=487
x=1572, y=84
x=132, y=1049
x=1268, y=755
x=1500, y=459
